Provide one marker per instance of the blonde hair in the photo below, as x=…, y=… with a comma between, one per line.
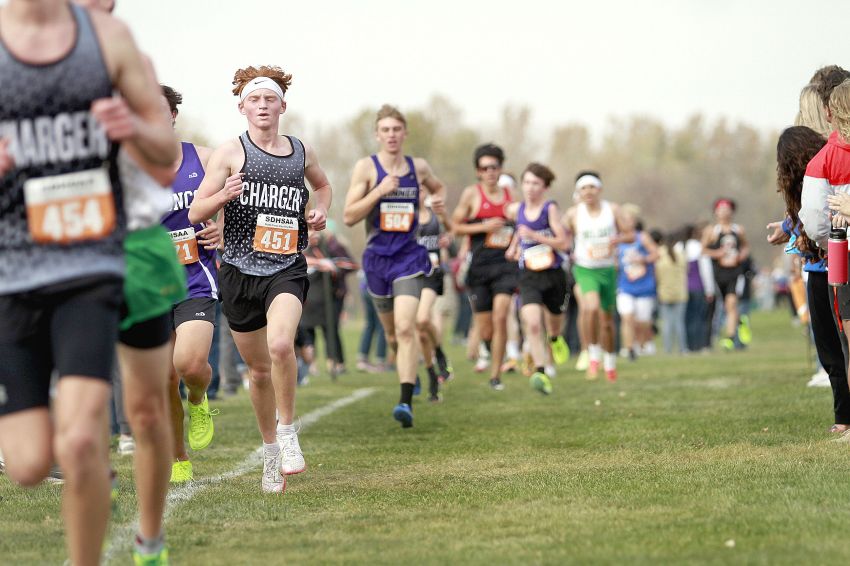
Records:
x=248, y=74
x=839, y=105
x=389, y=111
x=812, y=114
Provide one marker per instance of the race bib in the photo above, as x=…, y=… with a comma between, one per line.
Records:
x=435, y=259
x=599, y=251
x=539, y=258
x=276, y=234
x=500, y=239
x=72, y=207
x=396, y=216
x=186, y=244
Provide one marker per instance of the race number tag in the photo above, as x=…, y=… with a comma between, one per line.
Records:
x=72, y=207
x=435, y=259
x=599, y=251
x=396, y=216
x=500, y=239
x=186, y=244
x=539, y=258
x=276, y=234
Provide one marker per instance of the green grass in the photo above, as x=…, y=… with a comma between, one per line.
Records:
x=678, y=457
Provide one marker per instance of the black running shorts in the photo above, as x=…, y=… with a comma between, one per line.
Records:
x=71, y=327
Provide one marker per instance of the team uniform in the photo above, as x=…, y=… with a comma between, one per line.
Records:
x=62, y=224
x=727, y=278
x=265, y=232
x=490, y=273
x=635, y=281
x=542, y=280
x=429, y=238
x=393, y=260
x=199, y=263
x=593, y=254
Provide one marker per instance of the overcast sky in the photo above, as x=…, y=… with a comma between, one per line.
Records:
x=567, y=61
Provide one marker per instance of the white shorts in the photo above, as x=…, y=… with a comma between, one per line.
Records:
x=640, y=307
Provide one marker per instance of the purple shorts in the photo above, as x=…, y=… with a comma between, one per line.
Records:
x=382, y=271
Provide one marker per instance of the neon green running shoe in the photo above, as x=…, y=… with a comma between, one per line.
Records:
x=560, y=351
x=583, y=361
x=181, y=471
x=727, y=344
x=745, y=332
x=201, y=424
x=540, y=382
x=158, y=559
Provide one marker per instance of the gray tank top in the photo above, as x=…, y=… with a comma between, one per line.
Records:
x=265, y=229
x=61, y=209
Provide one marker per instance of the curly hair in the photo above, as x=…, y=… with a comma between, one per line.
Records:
x=243, y=76
x=173, y=97
x=796, y=147
x=830, y=78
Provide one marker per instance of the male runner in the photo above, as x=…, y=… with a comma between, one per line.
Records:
x=433, y=237
x=61, y=255
x=193, y=320
x=597, y=229
x=492, y=278
x=258, y=179
x=385, y=192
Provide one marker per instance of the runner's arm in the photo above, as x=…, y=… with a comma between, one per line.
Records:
x=460, y=226
x=146, y=125
x=651, y=248
x=359, y=200
x=218, y=186
x=318, y=217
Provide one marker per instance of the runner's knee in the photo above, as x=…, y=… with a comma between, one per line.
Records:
x=28, y=466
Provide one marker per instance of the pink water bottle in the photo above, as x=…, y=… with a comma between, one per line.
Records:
x=836, y=257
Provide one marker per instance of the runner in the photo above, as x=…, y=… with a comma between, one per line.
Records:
x=492, y=278
x=726, y=244
x=60, y=272
x=385, y=192
x=636, y=286
x=258, y=180
x=539, y=242
x=433, y=236
x=598, y=228
x=192, y=320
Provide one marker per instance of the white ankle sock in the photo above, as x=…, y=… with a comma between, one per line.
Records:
x=610, y=361
x=594, y=351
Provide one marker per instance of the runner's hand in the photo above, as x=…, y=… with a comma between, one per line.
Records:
x=438, y=205
x=445, y=240
x=7, y=163
x=388, y=185
x=232, y=188
x=210, y=236
x=493, y=224
x=317, y=219
x=527, y=233
x=115, y=116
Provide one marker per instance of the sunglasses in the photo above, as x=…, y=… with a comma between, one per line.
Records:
x=490, y=168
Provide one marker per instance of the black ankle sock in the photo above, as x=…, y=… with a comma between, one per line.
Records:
x=540, y=369
x=407, y=394
x=553, y=339
x=487, y=345
x=433, y=382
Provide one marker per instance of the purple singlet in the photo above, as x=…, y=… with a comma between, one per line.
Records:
x=536, y=256
x=200, y=263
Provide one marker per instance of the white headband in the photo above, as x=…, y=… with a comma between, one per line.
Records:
x=257, y=84
x=585, y=180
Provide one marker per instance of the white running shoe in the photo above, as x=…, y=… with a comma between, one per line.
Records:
x=481, y=365
x=550, y=371
x=820, y=379
x=648, y=349
x=273, y=481
x=583, y=361
x=291, y=458
x=126, y=445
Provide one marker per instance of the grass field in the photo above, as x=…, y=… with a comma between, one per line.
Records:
x=674, y=462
